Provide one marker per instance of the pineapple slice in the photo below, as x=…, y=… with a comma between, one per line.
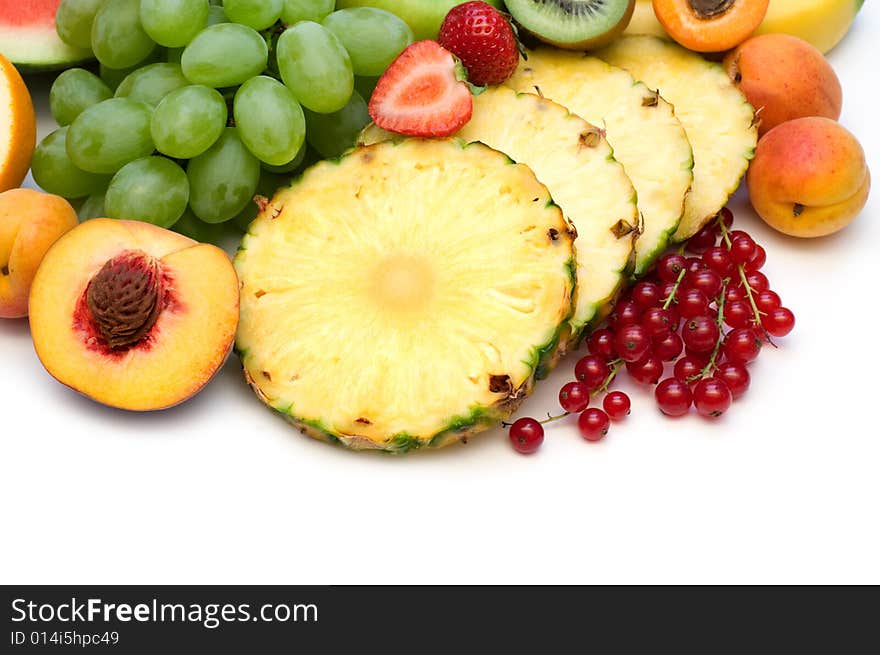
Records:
x=641, y=127
x=405, y=295
x=575, y=161
x=718, y=119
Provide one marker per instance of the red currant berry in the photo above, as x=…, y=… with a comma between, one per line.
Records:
x=632, y=342
x=759, y=259
x=617, y=405
x=673, y=397
x=735, y=376
x=591, y=371
x=742, y=249
x=757, y=281
x=712, y=397
x=694, y=264
x=601, y=343
x=709, y=282
x=733, y=293
x=526, y=435
x=702, y=240
x=670, y=289
x=645, y=294
x=767, y=301
x=719, y=260
x=670, y=266
x=574, y=397
x=738, y=314
x=667, y=346
x=693, y=303
x=779, y=322
x=726, y=217
x=700, y=334
x=647, y=370
x=733, y=235
x=742, y=345
x=687, y=369
x=702, y=358
x=657, y=320
x=625, y=312
x=593, y=424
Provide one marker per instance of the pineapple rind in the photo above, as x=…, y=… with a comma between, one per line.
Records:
x=459, y=427
x=645, y=137
x=716, y=115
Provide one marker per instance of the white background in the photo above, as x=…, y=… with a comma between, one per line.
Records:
x=783, y=489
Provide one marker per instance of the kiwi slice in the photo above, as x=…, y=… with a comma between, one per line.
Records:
x=573, y=24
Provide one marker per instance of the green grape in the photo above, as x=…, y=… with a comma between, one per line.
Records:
x=267, y=186
x=215, y=17
x=188, y=121
x=333, y=134
x=151, y=189
x=269, y=119
x=365, y=86
x=223, y=179
x=222, y=55
x=152, y=83
x=294, y=164
x=73, y=21
x=106, y=136
x=314, y=10
x=315, y=66
x=113, y=77
x=195, y=228
x=372, y=37
x=93, y=207
x=55, y=173
x=258, y=14
x=173, y=23
x=118, y=38
x=73, y=91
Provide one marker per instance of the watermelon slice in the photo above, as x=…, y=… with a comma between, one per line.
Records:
x=28, y=38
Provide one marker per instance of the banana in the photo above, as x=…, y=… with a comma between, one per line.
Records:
x=820, y=22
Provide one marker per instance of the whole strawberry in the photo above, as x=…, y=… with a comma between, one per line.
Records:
x=483, y=39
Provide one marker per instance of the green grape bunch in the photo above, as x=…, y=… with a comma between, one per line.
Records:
x=196, y=106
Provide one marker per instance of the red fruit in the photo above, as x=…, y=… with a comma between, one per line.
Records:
x=592, y=371
x=693, y=303
x=593, y=424
x=712, y=397
x=707, y=281
x=668, y=346
x=757, y=281
x=727, y=217
x=738, y=314
x=779, y=322
x=601, y=343
x=574, y=397
x=422, y=93
x=768, y=300
x=758, y=260
x=481, y=37
x=645, y=294
x=743, y=249
x=700, y=334
x=686, y=368
x=669, y=267
x=735, y=376
x=625, y=312
x=719, y=260
x=695, y=264
x=657, y=320
x=647, y=370
x=702, y=240
x=526, y=435
x=632, y=342
x=673, y=397
x=742, y=345
x=617, y=405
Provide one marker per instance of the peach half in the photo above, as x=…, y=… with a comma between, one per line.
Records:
x=132, y=315
x=30, y=222
x=809, y=177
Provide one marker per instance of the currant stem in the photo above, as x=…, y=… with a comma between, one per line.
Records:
x=668, y=300
x=741, y=269
x=710, y=366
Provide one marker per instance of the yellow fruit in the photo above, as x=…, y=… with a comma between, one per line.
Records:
x=821, y=22
x=18, y=127
x=644, y=21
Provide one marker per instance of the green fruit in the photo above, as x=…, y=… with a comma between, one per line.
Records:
x=578, y=25
x=423, y=16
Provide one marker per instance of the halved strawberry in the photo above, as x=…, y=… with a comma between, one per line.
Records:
x=423, y=93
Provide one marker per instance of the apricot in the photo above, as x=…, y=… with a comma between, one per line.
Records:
x=809, y=177
x=710, y=25
x=132, y=315
x=784, y=78
x=30, y=222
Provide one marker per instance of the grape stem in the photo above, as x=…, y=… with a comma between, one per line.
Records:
x=711, y=365
x=616, y=365
x=750, y=292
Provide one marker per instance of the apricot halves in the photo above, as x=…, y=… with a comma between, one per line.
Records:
x=132, y=315
x=710, y=25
